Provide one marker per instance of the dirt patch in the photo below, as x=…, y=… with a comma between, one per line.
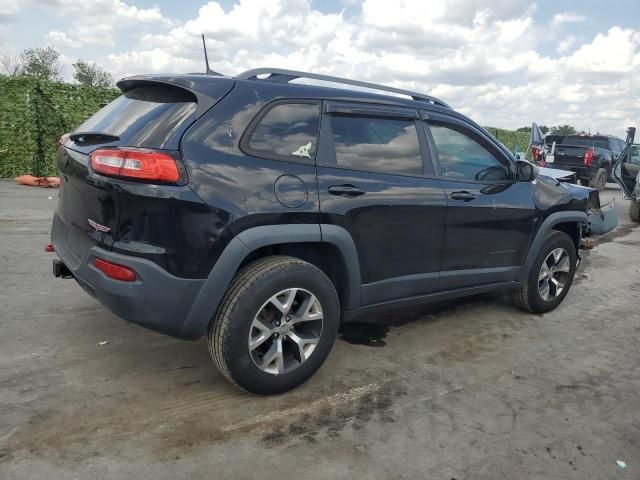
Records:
x=331, y=419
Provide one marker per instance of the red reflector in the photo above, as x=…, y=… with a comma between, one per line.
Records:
x=588, y=157
x=49, y=248
x=535, y=153
x=115, y=271
x=137, y=164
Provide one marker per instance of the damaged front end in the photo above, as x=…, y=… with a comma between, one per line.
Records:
x=601, y=219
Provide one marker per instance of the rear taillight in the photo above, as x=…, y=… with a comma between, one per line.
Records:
x=115, y=271
x=536, y=154
x=61, y=140
x=135, y=164
x=588, y=157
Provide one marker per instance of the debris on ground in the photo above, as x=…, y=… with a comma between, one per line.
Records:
x=103, y=343
x=621, y=464
x=31, y=181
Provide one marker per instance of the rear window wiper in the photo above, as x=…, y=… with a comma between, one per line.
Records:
x=93, y=137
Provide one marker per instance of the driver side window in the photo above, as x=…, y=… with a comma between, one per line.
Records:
x=634, y=155
x=463, y=158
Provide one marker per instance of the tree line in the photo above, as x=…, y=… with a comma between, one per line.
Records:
x=555, y=130
x=43, y=63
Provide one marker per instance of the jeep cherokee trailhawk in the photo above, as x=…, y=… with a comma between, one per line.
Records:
x=262, y=213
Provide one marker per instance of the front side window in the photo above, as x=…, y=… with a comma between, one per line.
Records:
x=463, y=158
x=288, y=131
x=376, y=144
x=633, y=155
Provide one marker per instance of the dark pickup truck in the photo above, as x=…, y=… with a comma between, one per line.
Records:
x=590, y=156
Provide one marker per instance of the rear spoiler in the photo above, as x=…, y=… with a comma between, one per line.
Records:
x=207, y=89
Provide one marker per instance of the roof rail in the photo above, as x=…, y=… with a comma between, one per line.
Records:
x=281, y=75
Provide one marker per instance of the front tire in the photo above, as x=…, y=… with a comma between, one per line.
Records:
x=276, y=325
x=550, y=276
x=599, y=180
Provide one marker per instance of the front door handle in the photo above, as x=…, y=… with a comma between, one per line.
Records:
x=464, y=196
x=346, y=190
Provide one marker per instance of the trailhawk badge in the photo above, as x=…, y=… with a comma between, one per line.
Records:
x=97, y=227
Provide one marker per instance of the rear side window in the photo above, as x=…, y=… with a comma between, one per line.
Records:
x=149, y=116
x=288, y=131
x=463, y=158
x=376, y=144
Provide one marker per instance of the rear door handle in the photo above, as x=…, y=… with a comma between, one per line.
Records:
x=346, y=190
x=464, y=196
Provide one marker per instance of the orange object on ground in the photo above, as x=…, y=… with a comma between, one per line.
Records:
x=47, y=182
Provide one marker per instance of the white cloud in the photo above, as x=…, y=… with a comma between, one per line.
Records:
x=484, y=58
x=567, y=17
x=56, y=38
x=95, y=22
x=566, y=43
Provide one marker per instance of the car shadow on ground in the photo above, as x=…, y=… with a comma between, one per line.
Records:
x=371, y=330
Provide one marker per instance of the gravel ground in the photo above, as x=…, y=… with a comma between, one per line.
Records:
x=465, y=389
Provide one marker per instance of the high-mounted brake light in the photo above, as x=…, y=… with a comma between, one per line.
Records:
x=588, y=157
x=136, y=164
x=115, y=271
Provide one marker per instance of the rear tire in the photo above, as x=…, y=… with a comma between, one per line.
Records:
x=275, y=326
x=531, y=296
x=599, y=180
x=634, y=210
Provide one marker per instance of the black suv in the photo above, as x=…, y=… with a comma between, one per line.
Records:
x=262, y=213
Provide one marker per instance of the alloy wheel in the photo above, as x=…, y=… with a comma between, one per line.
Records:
x=554, y=274
x=285, y=331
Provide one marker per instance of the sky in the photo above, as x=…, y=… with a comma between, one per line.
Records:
x=504, y=63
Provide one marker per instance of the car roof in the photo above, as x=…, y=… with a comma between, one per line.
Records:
x=204, y=83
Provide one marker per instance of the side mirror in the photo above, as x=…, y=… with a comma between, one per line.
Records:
x=525, y=171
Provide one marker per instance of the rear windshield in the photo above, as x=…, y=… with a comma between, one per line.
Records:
x=549, y=139
x=149, y=116
x=600, y=142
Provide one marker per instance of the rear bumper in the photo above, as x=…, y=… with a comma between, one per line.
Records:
x=156, y=300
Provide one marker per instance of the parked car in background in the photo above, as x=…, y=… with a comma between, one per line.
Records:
x=627, y=174
x=590, y=156
x=263, y=213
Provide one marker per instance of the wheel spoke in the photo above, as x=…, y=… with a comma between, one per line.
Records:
x=285, y=305
x=544, y=289
x=273, y=360
x=309, y=311
x=544, y=271
x=305, y=345
x=265, y=334
x=564, y=265
x=558, y=286
x=557, y=255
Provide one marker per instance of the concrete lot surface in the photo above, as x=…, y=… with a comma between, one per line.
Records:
x=468, y=389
